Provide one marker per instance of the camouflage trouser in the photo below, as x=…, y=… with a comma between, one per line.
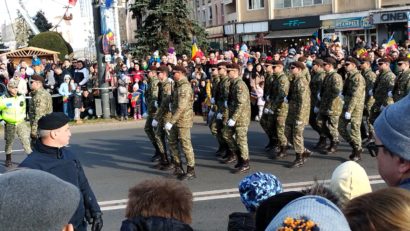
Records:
x=353, y=136
x=330, y=127
x=23, y=132
x=266, y=124
x=366, y=115
x=374, y=113
x=216, y=127
x=183, y=137
x=278, y=127
x=295, y=133
x=314, y=122
x=237, y=139
x=153, y=137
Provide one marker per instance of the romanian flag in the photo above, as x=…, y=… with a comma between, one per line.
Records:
x=196, y=52
x=315, y=38
x=391, y=44
x=362, y=52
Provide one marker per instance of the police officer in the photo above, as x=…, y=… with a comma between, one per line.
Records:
x=151, y=99
x=299, y=110
x=402, y=83
x=236, y=131
x=354, y=96
x=51, y=155
x=370, y=78
x=330, y=104
x=383, y=88
x=315, y=87
x=180, y=124
x=40, y=103
x=163, y=114
x=13, y=112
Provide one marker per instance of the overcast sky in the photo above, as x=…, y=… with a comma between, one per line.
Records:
x=51, y=8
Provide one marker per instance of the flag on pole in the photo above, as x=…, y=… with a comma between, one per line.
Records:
x=72, y=2
x=194, y=48
x=391, y=44
x=316, y=38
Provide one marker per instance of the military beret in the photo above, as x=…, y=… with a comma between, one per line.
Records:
x=403, y=59
x=330, y=60
x=353, y=60
x=384, y=60
x=179, y=69
x=37, y=78
x=222, y=64
x=52, y=121
x=153, y=68
x=366, y=59
x=163, y=69
x=278, y=62
x=298, y=64
x=213, y=66
x=318, y=62
x=269, y=63
x=233, y=66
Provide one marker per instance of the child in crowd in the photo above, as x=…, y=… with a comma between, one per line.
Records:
x=135, y=102
x=260, y=101
x=77, y=104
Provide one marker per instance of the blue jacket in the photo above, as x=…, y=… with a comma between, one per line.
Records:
x=65, y=165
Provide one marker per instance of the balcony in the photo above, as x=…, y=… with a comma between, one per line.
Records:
x=232, y=17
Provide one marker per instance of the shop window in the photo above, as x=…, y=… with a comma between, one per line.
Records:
x=307, y=2
x=287, y=3
x=279, y=4
x=256, y=4
x=317, y=2
x=297, y=3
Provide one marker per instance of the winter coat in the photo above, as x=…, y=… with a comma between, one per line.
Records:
x=241, y=222
x=153, y=224
x=66, y=166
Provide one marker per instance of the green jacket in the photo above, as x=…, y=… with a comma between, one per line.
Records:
x=331, y=103
x=401, y=86
x=384, y=83
x=182, y=101
x=164, y=99
x=151, y=95
x=354, y=93
x=13, y=109
x=299, y=100
x=279, y=90
x=239, y=103
x=40, y=105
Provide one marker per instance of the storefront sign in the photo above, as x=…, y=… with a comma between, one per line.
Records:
x=348, y=23
x=294, y=23
x=390, y=17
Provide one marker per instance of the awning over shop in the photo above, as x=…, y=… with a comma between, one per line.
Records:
x=291, y=33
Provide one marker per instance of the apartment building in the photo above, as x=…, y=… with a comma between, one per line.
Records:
x=281, y=23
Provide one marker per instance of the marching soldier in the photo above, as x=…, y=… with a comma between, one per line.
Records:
x=163, y=114
x=383, y=88
x=236, y=131
x=370, y=78
x=179, y=126
x=151, y=97
x=39, y=105
x=267, y=117
x=402, y=84
x=299, y=110
x=354, y=97
x=315, y=88
x=330, y=104
x=279, y=106
x=13, y=112
x=223, y=111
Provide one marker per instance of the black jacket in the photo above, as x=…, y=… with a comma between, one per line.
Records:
x=241, y=222
x=65, y=165
x=154, y=224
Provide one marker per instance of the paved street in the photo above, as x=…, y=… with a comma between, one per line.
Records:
x=116, y=156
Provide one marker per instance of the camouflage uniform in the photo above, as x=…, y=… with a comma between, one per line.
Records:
x=240, y=111
x=221, y=100
x=354, y=97
x=306, y=75
x=163, y=114
x=39, y=105
x=315, y=88
x=279, y=91
x=151, y=98
x=370, y=78
x=216, y=125
x=384, y=83
x=267, y=118
x=331, y=105
x=181, y=104
x=401, y=86
x=298, y=116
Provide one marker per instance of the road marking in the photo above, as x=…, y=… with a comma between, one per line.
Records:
x=229, y=193
x=18, y=150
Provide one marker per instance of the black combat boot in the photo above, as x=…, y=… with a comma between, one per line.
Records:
x=163, y=161
x=157, y=155
x=221, y=149
x=355, y=156
x=230, y=159
x=321, y=144
x=189, y=175
x=298, y=162
x=178, y=170
x=331, y=149
x=306, y=154
x=238, y=159
x=8, y=163
x=282, y=152
x=243, y=168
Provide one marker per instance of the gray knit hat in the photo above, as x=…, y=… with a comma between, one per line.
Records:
x=392, y=127
x=322, y=213
x=36, y=200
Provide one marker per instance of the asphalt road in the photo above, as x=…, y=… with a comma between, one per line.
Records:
x=116, y=156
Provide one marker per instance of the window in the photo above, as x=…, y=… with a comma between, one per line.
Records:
x=210, y=12
x=307, y=2
x=256, y=4
x=287, y=3
x=216, y=13
x=317, y=2
x=297, y=3
x=280, y=4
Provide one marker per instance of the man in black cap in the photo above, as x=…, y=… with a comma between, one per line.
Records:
x=51, y=155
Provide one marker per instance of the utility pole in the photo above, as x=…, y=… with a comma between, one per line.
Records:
x=117, y=26
x=101, y=70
